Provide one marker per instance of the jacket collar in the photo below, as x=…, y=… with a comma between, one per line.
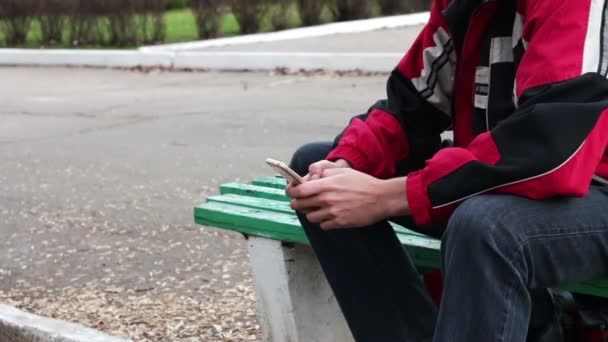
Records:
x=457, y=15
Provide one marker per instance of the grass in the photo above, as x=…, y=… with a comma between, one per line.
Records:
x=181, y=27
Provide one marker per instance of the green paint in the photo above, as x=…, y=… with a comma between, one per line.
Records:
x=286, y=227
x=254, y=191
x=271, y=182
x=595, y=288
x=254, y=203
x=250, y=221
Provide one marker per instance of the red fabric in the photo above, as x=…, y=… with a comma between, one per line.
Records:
x=373, y=146
x=572, y=178
x=446, y=161
x=412, y=64
x=465, y=91
x=594, y=336
x=556, y=32
x=433, y=282
x=602, y=169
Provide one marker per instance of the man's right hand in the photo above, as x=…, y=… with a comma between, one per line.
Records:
x=315, y=171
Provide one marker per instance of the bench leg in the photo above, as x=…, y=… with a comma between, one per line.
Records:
x=294, y=300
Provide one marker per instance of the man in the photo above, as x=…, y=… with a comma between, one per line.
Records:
x=519, y=201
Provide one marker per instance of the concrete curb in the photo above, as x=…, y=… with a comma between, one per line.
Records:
x=354, y=26
x=20, y=326
x=381, y=62
x=93, y=58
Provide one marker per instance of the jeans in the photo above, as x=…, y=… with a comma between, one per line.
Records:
x=498, y=253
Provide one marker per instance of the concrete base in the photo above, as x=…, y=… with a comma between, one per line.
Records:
x=21, y=326
x=295, y=302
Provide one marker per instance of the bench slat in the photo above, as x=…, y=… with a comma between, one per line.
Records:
x=254, y=203
x=279, y=226
x=595, y=288
x=276, y=182
x=280, y=207
x=254, y=191
x=251, y=221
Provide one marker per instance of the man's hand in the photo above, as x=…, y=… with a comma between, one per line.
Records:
x=345, y=198
x=315, y=171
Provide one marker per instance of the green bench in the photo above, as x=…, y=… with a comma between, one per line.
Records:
x=294, y=300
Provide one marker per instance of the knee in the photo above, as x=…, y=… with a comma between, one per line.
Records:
x=480, y=227
x=309, y=154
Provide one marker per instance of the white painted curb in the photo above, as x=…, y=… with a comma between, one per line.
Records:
x=18, y=326
x=354, y=26
x=377, y=62
x=94, y=58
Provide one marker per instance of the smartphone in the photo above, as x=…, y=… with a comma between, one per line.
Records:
x=285, y=171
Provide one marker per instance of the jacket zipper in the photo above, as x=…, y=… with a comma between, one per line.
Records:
x=459, y=64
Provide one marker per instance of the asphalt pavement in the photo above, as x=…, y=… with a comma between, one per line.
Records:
x=100, y=169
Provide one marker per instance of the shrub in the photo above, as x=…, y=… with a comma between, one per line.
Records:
x=249, y=14
x=208, y=14
x=280, y=14
x=83, y=23
x=351, y=9
x=122, y=26
x=51, y=15
x=394, y=6
x=151, y=24
x=310, y=11
x=16, y=15
x=176, y=4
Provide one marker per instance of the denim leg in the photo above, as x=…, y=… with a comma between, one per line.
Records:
x=309, y=154
x=497, y=249
x=371, y=275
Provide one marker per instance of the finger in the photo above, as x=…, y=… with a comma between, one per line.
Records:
x=319, y=216
x=318, y=167
x=330, y=225
x=335, y=172
x=308, y=210
x=301, y=204
x=307, y=177
x=309, y=189
x=289, y=190
x=315, y=176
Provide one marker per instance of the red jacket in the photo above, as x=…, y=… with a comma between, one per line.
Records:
x=523, y=85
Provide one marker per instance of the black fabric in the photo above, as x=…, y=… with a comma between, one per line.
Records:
x=603, y=65
x=501, y=103
x=499, y=89
x=536, y=139
x=422, y=122
x=458, y=15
